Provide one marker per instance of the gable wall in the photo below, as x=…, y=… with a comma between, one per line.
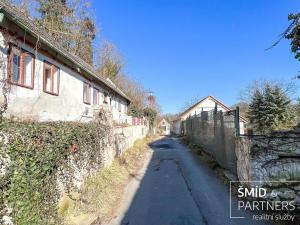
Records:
x=206, y=105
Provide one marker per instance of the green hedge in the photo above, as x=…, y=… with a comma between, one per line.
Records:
x=38, y=153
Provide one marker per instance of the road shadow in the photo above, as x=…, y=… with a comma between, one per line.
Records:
x=163, y=196
x=178, y=189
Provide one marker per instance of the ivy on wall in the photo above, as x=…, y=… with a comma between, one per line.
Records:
x=39, y=153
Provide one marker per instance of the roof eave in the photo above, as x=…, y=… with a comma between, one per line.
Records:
x=61, y=52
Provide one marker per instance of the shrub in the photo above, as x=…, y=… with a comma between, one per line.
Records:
x=39, y=154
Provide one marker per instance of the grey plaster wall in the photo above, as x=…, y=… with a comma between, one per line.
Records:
x=215, y=133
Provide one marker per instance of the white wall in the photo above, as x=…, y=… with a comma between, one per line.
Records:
x=68, y=106
x=129, y=135
x=206, y=105
x=119, y=115
x=165, y=127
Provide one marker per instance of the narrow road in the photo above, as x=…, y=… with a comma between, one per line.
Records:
x=175, y=188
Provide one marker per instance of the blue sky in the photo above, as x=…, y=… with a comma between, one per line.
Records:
x=185, y=48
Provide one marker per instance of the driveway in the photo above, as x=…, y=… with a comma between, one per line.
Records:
x=175, y=188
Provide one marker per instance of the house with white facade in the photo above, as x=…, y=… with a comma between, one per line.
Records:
x=46, y=82
x=208, y=103
x=164, y=126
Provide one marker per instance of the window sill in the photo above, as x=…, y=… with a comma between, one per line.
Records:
x=51, y=93
x=22, y=85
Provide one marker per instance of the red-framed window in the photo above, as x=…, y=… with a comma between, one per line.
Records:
x=21, y=67
x=51, y=78
x=86, y=93
x=96, y=96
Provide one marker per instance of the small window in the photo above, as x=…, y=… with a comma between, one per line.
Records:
x=95, y=96
x=106, y=98
x=51, y=78
x=21, y=67
x=86, y=93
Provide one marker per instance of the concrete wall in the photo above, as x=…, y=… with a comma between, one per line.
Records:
x=68, y=106
x=215, y=133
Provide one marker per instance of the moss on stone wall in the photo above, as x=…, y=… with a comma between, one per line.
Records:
x=34, y=156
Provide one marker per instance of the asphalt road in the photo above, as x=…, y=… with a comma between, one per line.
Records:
x=175, y=188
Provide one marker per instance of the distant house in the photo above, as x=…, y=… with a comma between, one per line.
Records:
x=164, y=127
x=176, y=126
x=47, y=82
x=208, y=103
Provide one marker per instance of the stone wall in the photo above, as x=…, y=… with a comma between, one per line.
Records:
x=126, y=136
x=114, y=141
x=242, y=151
x=120, y=139
x=274, y=157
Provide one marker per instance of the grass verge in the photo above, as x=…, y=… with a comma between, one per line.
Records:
x=207, y=159
x=100, y=195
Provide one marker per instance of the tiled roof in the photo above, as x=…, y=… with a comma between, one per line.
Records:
x=26, y=23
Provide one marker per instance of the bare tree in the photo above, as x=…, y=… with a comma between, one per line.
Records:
x=22, y=5
x=171, y=116
x=133, y=89
x=246, y=94
x=243, y=106
x=109, y=62
x=70, y=22
x=189, y=102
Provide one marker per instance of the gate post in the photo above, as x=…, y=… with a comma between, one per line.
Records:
x=215, y=118
x=237, y=121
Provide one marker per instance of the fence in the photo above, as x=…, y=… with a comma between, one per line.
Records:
x=269, y=157
x=215, y=131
